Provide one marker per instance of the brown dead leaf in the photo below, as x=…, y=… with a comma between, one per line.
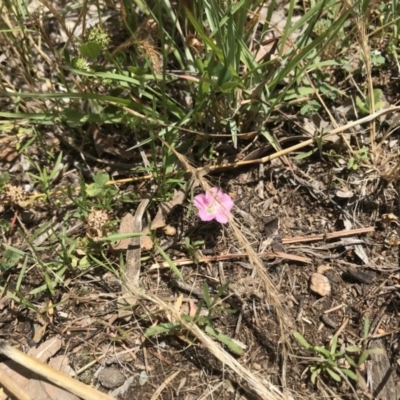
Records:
x=105, y=144
x=44, y=390
x=30, y=383
x=165, y=208
x=8, y=153
x=102, y=143
x=46, y=349
x=125, y=227
x=159, y=220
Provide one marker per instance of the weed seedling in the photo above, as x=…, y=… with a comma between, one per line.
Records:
x=336, y=363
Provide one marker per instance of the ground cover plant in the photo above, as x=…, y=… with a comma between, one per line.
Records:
x=200, y=200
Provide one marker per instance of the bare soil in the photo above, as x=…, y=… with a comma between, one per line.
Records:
x=279, y=202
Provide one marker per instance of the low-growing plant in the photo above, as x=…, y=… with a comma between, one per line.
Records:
x=337, y=364
x=45, y=178
x=364, y=106
x=212, y=305
x=357, y=158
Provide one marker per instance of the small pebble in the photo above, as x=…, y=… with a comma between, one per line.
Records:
x=319, y=284
x=169, y=230
x=111, y=377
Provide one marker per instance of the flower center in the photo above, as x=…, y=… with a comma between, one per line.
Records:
x=211, y=209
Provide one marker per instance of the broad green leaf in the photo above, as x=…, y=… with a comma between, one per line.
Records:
x=93, y=190
x=101, y=178
x=90, y=50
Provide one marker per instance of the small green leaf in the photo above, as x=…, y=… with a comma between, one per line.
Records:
x=322, y=350
x=375, y=350
x=84, y=263
x=226, y=340
x=334, y=375
x=349, y=373
x=366, y=327
x=101, y=178
x=206, y=294
x=331, y=363
x=350, y=361
x=4, y=178
x=138, y=71
x=167, y=327
x=361, y=105
x=143, y=378
x=170, y=262
x=306, y=154
x=93, y=190
x=67, y=56
x=334, y=344
x=314, y=375
x=57, y=167
x=351, y=164
x=228, y=86
x=9, y=260
x=121, y=236
x=49, y=283
x=353, y=349
x=377, y=93
x=363, y=358
x=303, y=342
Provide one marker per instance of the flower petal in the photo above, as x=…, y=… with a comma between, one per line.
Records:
x=226, y=202
x=214, y=204
x=205, y=216
x=221, y=217
x=200, y=201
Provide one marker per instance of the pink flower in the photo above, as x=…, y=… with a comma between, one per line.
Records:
x=214, y=204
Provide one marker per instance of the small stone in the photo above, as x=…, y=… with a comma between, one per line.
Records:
x=319, y=284
x=111, y=377
x=169, y=230
x=257, y=366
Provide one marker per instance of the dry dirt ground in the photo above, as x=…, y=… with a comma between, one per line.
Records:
x=280, y=206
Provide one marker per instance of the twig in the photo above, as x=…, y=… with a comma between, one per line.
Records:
x=224, y=257
x=296, y=239
x=329, y=235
